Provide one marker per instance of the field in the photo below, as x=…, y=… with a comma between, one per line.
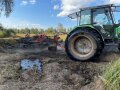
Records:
x=23, y=35
x=63, y=36
x=58, y=71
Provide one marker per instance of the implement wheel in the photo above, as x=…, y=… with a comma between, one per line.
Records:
x=83, y=45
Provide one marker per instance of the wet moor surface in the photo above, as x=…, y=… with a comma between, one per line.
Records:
x=58, y=71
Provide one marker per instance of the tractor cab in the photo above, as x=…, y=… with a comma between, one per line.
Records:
x=96, y=28
x=103, y=18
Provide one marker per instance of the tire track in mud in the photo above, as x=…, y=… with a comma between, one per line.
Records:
x=59, y=72
x=85, y=71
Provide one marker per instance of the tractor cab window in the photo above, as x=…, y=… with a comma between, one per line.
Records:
x=116, y=14
x=116, y=17
x=85, y=17
x=102, y=17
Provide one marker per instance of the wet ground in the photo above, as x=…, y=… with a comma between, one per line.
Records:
x=58, y=72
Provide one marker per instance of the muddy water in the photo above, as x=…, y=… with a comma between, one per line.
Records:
x=27, y=64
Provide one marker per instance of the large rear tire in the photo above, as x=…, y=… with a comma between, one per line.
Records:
x=83, y=45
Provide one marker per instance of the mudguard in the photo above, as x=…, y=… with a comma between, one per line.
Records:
x=87, y=26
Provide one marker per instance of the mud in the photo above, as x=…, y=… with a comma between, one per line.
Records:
x=58, y=71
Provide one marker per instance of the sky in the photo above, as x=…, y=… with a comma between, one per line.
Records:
x=46, y=13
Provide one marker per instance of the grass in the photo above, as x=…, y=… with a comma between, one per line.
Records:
x=2, y=34
x=9, y=72
x=63, y=36
x=9, y=41
x=23, y=35
x=112, y=76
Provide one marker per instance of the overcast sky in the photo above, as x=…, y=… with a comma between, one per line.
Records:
x=46, y=13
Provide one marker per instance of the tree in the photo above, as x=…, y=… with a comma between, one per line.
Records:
x=1, y=27
x=34, y=31
x=41, y=31
x=60, y=28
x=6, y=6
x=50, y=30
x=69, y=30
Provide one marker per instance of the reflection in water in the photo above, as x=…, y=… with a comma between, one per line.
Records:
x=27, y=64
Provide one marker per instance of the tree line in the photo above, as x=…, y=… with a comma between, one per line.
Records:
x=60, y=29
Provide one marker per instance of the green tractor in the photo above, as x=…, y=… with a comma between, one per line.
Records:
x=96, y=28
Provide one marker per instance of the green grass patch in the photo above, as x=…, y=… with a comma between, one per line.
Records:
x=4, y=42
x=2, y=34
x=111, y=77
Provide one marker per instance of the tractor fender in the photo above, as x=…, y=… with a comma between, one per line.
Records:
x=90, y=27
x=76, y=30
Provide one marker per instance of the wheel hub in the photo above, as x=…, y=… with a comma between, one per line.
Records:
x=83, y=46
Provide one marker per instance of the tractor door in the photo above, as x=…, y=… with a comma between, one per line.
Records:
x=102, y=21
x=85, y=17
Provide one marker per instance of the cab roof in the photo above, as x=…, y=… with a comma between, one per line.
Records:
x=77, y=14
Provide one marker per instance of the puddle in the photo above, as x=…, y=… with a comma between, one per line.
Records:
x=27, y=64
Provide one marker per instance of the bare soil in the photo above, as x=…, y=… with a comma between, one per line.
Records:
x=59, y=72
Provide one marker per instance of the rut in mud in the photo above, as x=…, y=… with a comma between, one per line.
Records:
x=58, y=71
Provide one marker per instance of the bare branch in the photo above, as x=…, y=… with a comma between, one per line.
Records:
x=6, y=6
